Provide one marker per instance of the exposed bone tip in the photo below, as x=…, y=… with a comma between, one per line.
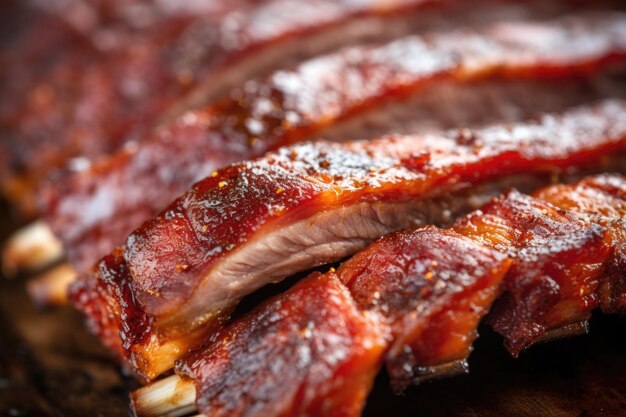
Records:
x=30, y=249
x=50, y=288
x=428, y=373
x=570, y=330
x=169, y=397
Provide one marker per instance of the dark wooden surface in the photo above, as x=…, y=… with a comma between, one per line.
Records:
x=50, y=366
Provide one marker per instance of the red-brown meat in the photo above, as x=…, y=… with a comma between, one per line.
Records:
x=431, y=287
x=422, y=293
x=558, y=265
x=257, y=222
x=95, y=210
x=306, y=352
x=601, y=200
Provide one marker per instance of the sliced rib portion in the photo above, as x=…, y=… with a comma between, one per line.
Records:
x=307, y=352
x=431, y=287
x=558, y=265
x=105, y=84
x=257, y=222
x=95, y=209
x=423, y=290
x=601, y=200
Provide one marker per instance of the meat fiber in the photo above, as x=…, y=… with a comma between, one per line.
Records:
x=306, y=352
x=420, y=292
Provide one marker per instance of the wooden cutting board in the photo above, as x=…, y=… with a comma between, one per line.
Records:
x=50, y=366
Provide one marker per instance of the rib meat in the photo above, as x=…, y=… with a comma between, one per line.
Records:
x=601, y=200
x=306, y=352
x=110, y=75
x=95, y=210
x=558, y=265
x=257, y=222
x=147, y=61
x=422, y=293
x=430, y=288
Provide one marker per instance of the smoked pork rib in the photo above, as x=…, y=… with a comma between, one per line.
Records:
x=101, y=90
x=295, y=354
x=430, y=287
x=422, y=293
x=601, y=200
x=559, y=261
x=291, y=106
x=308, y=352
x=257, y=222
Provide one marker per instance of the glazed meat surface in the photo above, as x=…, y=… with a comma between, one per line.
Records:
x=558, y=265
x=600, y=200
x=257, y=222
x=141, y=63
x=421, y=292
x=430, y=287
x=95, y=210
x=308, y=351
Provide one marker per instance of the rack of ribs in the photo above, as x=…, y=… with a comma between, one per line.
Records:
x=294, y=105
x=180, y=274
x=412, y=300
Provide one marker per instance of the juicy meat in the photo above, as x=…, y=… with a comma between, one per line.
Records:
x=420, y=293
x=257, y=222
x=601, y=200
x=94, y=210
x=308, y=352
x=558, y=265
x=293, y=354
x=431, y=287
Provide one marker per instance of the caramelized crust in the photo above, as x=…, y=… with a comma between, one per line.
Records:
x=185, y=269
x=432, y=287
x=291, y=106
x=557, y=270
x=601, y=200
x=308, y=351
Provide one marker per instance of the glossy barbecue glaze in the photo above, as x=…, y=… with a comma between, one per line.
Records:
x=308, y=351
x=600, y=200
x=423, y=291
x=257, y=222
x=95, y=210
x=431, y=287
x=558, y=265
